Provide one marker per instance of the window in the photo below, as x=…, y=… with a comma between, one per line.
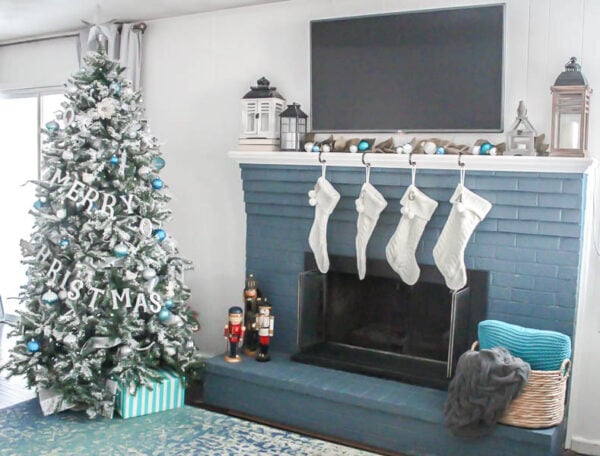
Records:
x=21, y=117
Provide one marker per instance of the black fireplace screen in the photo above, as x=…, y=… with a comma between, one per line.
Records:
x=383, y=327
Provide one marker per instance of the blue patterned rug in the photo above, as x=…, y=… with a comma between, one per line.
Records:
x=24, y=431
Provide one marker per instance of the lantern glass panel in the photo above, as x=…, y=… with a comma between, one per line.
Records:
x=567, y=133
x=302, y=126
x=264, y=121
x=250, y=125
x=285, y=125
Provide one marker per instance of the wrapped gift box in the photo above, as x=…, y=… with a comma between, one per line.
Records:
x=52, y=402
x=164, y=395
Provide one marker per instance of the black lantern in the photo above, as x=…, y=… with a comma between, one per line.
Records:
x=570, y=111
x=293, y=127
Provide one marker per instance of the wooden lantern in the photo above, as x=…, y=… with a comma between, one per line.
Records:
x=570, y=112
x=520, y=139
x=261, y=107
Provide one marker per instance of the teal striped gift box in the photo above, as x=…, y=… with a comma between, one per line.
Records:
x=166, y=395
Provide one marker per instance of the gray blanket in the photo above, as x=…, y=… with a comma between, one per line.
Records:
x=484, y=385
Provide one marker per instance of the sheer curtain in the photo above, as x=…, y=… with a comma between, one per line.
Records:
x=123, y=43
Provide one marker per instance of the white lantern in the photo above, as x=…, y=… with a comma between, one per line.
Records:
x=570, y=112
x=261, y=107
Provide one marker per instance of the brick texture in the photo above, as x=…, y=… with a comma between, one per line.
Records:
x=529, y=242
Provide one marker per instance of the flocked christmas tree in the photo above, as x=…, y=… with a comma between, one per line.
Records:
x=105, y=297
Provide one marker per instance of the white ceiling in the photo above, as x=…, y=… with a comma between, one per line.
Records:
x=21, y=19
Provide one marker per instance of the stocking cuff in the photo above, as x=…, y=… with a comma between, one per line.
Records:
x=418, y=203
x=471, y=201
x=324, y=195
x=370, y=202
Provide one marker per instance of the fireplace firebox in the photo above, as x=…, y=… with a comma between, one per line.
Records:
x=382, y=327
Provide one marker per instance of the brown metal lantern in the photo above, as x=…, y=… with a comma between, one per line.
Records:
x=570, y=112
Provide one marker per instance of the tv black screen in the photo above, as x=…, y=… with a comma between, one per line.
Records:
x=435, y=70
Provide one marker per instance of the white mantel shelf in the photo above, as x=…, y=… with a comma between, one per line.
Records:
x=443, y=162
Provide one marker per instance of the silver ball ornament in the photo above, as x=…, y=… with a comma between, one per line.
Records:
x=148, y=274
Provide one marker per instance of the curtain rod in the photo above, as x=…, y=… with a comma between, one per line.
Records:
x=141, y=26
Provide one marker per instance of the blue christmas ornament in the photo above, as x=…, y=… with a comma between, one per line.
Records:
x=169, y=303
x=116, y=88
x=49, y=298
x=160, y=234
x=363, y=145
x=440, y=151
x=114, y=160
x=64, y=243
x=38, y=205
x=484, y=149
x=33, y=346
x=316, y=148
x=52, y=126
x=120, y=250
x=164, y=314
x=158, y=163
x=157, y=184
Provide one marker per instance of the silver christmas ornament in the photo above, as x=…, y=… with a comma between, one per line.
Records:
x=149, y=274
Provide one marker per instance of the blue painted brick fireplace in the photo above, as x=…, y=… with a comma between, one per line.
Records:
x=530, y=244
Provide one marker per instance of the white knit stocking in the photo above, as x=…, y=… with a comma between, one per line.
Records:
x=417, y=209
x=324, y=197
x=369, y=205
x=468, y=209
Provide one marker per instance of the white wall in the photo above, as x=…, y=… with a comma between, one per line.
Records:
x=197, y=68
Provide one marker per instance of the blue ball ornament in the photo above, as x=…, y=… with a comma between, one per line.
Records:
x=120, y=250
x=116, y=88
x=158, y=163
x=169, y=303
x=64, y=243
x=164, y=314
x=363, y=145
x=440, y=151
x=316, y=148
x=33, y=346
x=484, y=149
x=160, y=234
x=38, y=205
x=157, y=184
x=49, y=298
x=52, y=126
x=114, y=160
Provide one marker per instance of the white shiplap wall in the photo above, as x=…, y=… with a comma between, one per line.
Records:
x=196, y=69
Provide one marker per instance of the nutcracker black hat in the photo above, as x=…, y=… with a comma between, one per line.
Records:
x=264, y=303
x=235, y=310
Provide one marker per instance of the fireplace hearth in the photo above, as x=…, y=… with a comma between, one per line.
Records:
x=382, y=327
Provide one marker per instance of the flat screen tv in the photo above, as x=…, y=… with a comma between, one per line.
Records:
x=434, y=70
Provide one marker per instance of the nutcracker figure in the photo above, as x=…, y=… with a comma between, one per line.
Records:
x=234, y=333
x=265, y=323
x=251, y=294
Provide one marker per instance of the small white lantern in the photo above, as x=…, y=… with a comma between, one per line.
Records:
x=520, y=139
x=570, y=112
x=261, y=107
x=293, y=127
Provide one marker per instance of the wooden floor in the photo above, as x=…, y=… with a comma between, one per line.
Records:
x=13, y=390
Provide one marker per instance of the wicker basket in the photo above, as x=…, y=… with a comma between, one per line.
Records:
x=541, y=403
